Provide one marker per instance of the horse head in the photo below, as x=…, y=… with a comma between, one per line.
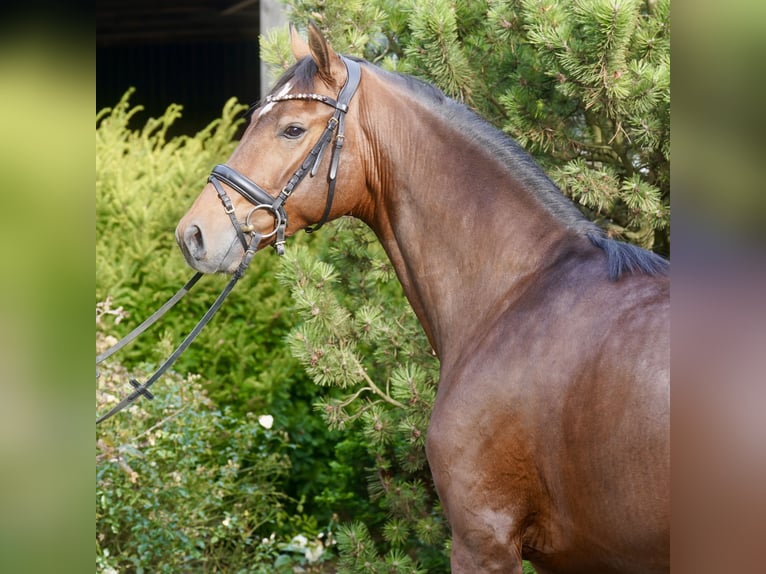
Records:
x=282, y=176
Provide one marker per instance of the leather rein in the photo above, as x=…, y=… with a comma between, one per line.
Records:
x=261, y=200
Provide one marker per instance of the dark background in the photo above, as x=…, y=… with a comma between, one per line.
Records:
x=197, y=53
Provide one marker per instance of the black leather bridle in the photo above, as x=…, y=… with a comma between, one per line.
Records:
x=261, y=200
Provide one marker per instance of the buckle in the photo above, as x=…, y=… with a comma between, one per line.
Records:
x=140, y=390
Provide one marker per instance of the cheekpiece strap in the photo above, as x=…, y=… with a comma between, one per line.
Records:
x=354, y=75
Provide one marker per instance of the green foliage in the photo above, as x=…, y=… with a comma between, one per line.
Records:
x=435, y=51
x=182, y=485
x=361, y=338
x=584, y=86
x=356, y=26
x=358, y=554
x=144, y=184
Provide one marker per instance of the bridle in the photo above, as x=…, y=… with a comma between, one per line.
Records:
x=261, y=200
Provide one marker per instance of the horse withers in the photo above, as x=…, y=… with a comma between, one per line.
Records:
x=549, y=434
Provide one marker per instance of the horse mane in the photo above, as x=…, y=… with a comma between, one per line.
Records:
x=622, y=258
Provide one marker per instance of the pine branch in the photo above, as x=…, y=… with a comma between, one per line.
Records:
x=374, y=388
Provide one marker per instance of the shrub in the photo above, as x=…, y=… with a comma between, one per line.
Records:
x=360, y=337
x=144, y=184
x=182, y=485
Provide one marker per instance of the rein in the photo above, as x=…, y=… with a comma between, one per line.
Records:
x=142, y=389
x=261, y=200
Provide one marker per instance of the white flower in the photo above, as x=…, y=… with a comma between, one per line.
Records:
x=314, y=552
x=266, y=421
x=300, y=541
x=226, y=522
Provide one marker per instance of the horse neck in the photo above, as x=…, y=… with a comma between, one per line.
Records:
x=464, y=235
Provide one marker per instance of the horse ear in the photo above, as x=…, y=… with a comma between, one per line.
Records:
x=331, y=68
x=298, y=44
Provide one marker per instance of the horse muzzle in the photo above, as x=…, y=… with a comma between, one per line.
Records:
x=207, y=250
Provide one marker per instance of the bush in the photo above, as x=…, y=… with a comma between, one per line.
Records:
x=182, y=485
x=144, y=184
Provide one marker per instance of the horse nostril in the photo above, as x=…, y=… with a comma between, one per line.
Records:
x=194, y=242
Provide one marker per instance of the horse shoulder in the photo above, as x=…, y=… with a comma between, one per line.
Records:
x=552, y=406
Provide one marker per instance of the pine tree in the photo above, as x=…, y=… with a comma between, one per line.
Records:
x=361, y=338
x=584, y=86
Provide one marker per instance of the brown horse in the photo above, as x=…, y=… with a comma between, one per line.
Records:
x=549, y=434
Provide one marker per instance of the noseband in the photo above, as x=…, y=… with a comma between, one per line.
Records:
x=260, y=198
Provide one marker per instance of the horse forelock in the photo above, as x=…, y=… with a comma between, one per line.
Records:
x=300, y=77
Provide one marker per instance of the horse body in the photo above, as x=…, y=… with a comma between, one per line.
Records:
x=549, y=434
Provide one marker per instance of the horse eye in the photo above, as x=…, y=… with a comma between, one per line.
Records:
x=293, y=132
